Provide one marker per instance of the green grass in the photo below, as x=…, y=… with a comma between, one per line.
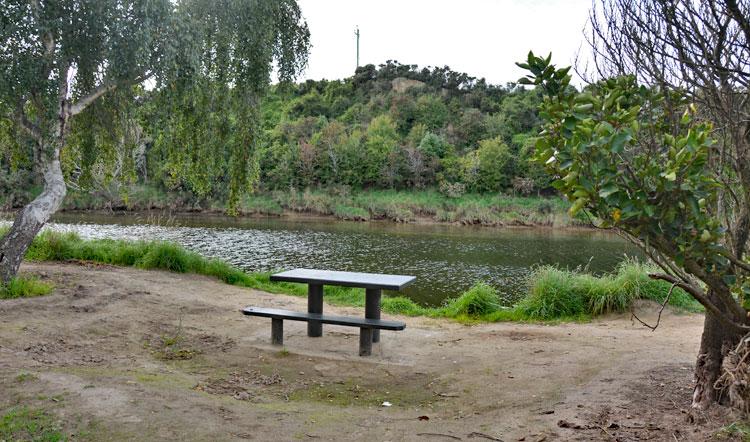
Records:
x=28, y=424
x=553, y=294
x=556, y=293
x=24, y=286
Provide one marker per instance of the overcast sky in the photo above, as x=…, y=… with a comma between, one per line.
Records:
x=483, y=38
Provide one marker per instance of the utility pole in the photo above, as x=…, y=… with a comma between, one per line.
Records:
x=356, y=32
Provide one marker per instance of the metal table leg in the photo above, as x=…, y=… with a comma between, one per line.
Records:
x=372, y=309
x=314, y=305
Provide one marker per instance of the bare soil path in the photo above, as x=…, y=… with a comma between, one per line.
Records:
x=126, y=354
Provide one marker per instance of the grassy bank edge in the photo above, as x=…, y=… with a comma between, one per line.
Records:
x=554, y=295
x=491, y=209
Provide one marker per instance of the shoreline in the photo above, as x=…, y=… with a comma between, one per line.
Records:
x=291, y=215
x=426, y=206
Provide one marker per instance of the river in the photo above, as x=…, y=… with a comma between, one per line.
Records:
x=446, y=259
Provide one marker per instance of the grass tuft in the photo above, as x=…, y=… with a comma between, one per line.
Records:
x=478, y=301
x=23, y=423
x=24, y=286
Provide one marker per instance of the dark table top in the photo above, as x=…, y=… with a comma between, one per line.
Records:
x=347, y=279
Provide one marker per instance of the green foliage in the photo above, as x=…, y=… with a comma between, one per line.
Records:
x=556, y=293
x=196, y=128
x=24, y=423
x=735, y=431
x=480, y=300
x=382, y=141
x=636, y=158
x=492, y=167
x=24, y=286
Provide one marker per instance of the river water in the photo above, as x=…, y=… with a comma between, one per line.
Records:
x=446, y=259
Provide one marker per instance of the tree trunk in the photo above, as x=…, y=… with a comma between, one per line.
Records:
x=30, y=220
x=717, y=340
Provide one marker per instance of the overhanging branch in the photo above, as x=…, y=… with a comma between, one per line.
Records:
x=703, y=299
x=19, y=116
x=84, y=102
x=107, y=86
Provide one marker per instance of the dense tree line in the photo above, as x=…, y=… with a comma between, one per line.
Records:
x=446, y=130
x=393, y=126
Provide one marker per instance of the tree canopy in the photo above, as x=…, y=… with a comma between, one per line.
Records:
x=636, y=159
x=82, y=71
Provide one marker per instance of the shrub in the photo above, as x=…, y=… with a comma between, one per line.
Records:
x=401, y=305
x=452, y=190
x=351, y=213
x=556, y=293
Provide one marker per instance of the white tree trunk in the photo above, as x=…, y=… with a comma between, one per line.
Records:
x=31, y=218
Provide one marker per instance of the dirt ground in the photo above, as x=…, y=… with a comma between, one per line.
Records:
x=125, y=354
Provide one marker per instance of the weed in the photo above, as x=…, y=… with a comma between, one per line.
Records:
x=26, y=377
x=734, y=430
x=478, y=301
x=23, y=423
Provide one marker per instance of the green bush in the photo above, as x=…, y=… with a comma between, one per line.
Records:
x=552, y=294
x=351, y=213
x=401, y=305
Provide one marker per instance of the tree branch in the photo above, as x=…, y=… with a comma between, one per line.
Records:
x=739, y=263
x=736, y=13
x=107, y=86
x=19, y=116
x=701, y=297
x=84, y=102
x=661, y=310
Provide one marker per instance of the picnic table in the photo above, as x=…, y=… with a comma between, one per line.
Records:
x=370, y=326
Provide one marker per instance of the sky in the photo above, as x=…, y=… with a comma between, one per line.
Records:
x=483, y=38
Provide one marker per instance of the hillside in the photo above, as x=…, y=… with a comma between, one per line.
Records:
x=393, y=127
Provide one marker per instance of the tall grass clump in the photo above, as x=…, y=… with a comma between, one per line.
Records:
x=556, y=293
x=24, y=286
x=478, y=301
x=553, y=293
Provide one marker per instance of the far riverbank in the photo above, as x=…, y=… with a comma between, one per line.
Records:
x=420, y=206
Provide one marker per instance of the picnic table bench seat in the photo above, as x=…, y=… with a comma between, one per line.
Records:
x=369, y=326
x=365, y=325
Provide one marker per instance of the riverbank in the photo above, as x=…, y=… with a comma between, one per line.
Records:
x=553, y=294
x=425, y=206
x=119, y=353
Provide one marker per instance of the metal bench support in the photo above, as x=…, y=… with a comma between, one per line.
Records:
x=277, y=331
x=372, y=309
x=314, y=305
x=365, y=341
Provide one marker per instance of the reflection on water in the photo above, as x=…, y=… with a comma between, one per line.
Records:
x=446, y=259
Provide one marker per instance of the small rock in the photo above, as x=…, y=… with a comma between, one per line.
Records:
x=242, y=395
